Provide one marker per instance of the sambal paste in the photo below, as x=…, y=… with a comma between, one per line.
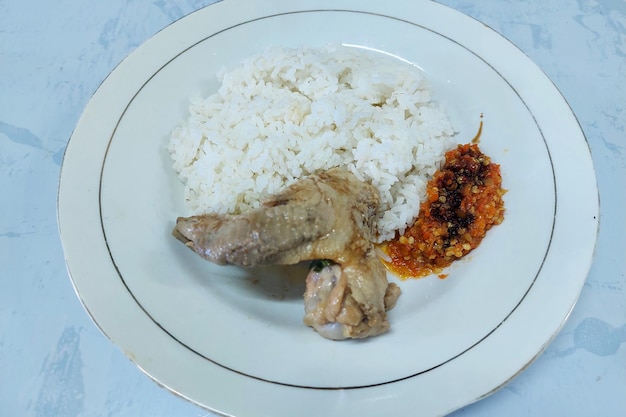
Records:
x=463, y=201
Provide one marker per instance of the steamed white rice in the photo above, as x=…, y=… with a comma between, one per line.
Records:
x=286, y=113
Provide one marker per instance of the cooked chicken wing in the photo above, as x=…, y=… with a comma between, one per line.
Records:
x=328, y=216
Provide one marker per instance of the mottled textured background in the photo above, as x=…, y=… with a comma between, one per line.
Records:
x=53, y=56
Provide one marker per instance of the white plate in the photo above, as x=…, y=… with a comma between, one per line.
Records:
x=237, y=345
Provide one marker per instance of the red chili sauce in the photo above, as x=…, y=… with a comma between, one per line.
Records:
x=463, y=201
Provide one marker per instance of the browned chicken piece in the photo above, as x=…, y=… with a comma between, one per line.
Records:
x=328, y=216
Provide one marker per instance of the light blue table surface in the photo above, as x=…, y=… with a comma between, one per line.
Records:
x=53, y=56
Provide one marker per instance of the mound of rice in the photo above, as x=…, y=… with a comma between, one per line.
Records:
x=286, y=113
